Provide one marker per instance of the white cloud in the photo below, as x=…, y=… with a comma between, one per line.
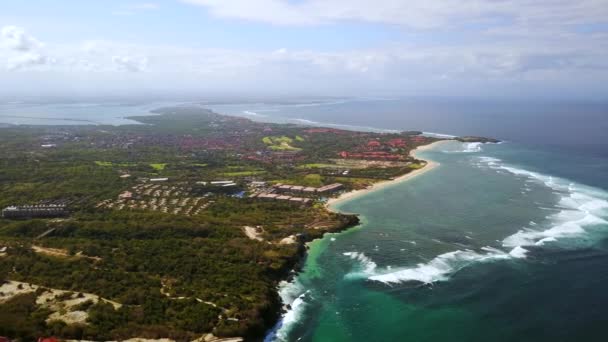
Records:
x=23, y=51
x=26, y=60
x=419, y=14
x=130, y=64
x=574, y=63
x=17, y=39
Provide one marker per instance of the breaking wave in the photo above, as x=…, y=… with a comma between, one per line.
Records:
x=580, y=208
x=293, y=295
x=473, y=147
x=444, y=265
x=252, y=113
x=366, y=265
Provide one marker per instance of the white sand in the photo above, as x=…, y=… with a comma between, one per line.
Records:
x=381, y=185
x=290, y=240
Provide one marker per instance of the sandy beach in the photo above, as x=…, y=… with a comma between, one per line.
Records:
x=380, y=185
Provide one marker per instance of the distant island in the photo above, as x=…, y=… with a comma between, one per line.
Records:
x=180, y=227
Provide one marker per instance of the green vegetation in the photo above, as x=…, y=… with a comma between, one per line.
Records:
x=158, y=166
x=111, y=164
x=281, y=143
x=145, y=258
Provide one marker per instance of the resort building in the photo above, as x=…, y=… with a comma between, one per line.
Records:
x=282, y=188
x=330, y=188
x=31, y=211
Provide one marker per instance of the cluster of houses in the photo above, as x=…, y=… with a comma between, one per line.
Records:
x=229, y=141
x=172, y=199
x=378, y=150
x=35, y=211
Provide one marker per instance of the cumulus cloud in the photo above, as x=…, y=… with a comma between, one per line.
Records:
x=23, y=50
x=26, y=60
x=16, y=38
x=130, y=64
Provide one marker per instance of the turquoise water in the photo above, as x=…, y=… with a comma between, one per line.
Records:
x=485, y=247
x=78, y=113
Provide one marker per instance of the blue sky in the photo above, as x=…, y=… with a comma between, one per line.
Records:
x=514, y=48
x=180, y=23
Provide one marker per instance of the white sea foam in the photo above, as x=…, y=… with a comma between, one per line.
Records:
x=307, y=121
x=472, y=147
x=441, y=267
x=580, y=208
x=252, y=113
x=518, y=252
x=292, y=315
x=293, y=296
x=366, y=265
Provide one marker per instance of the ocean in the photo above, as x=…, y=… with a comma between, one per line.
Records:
x=482, y=248
x=76, y=113
x=500, y=242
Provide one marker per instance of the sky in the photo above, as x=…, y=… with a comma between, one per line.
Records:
x=474, y=48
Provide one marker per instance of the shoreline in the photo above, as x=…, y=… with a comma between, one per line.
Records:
x=430, y=165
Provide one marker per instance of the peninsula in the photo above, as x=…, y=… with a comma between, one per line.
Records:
x=180, y=227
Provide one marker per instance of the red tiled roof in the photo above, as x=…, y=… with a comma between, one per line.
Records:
x=47, y=339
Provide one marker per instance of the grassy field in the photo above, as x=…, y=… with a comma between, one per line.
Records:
x=281, y=143
x=158, y=166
